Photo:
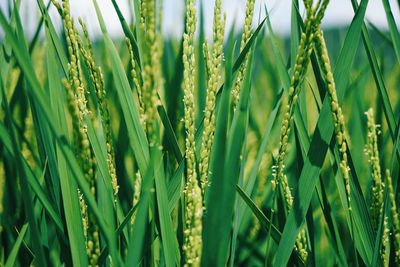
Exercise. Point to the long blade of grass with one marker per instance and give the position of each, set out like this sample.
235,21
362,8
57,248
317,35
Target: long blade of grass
11,260
137,245
168,238
127,31
169,132
394,33
53,37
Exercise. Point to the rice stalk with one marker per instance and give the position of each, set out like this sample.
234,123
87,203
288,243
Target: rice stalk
136,193
192,244
395,216
337,114
372,152
96,76
151,66
385,242
30,140
135,73
214,62
245,38
302,59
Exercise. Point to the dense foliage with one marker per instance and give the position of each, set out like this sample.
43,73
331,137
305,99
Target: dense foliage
243,150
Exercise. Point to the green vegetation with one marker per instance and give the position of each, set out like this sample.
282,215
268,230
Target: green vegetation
243,150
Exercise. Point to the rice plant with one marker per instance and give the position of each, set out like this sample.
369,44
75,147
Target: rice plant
242,149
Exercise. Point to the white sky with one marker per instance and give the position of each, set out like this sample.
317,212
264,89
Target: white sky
339,12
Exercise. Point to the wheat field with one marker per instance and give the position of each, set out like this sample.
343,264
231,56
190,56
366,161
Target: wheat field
243,149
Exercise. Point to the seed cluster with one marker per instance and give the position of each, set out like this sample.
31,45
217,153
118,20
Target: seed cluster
192,245
371,149
395,215
29,137
135,73
136,193
385,242
151,67
96,76
303,54
245,38
214,62
336,110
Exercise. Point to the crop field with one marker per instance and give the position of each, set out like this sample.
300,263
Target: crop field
243,148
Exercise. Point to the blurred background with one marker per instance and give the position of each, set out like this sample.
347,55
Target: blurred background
339,13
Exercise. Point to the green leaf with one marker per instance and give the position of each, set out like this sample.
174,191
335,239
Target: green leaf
139,229
11,260
168,238
127,31
394,33
169,132
53,37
